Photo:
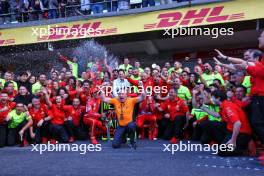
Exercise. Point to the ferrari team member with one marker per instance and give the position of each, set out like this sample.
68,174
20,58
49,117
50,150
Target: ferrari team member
5,107
74,115
147,81
146,114
182,91
8,77
198,117
72,64
41,117
237,130
124,107
57,129
175,118
19,122
92,116
255,68
42,81
85,92
9,89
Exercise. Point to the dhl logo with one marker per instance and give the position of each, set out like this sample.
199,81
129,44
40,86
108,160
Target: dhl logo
75,31
4,42
193,17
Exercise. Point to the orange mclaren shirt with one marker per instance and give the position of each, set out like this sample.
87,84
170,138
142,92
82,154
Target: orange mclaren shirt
124,111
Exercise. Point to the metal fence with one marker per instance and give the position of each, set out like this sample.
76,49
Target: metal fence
81,10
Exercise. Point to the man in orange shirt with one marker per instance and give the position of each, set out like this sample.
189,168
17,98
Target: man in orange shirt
124,107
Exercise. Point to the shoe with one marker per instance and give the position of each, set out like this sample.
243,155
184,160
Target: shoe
252,149
44,140
133,146
150,136
53,141
71,140
173,140
212,143
142,134
186,136
261,157
24,143
155,133
94,141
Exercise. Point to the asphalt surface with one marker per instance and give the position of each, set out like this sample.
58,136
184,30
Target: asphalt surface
148,159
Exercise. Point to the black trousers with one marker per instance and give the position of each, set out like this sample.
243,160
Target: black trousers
59,133
42,132
173,128
197,132
205,128
75,131
241,145
214,131
257,116
3,132
218,132
69,127
13,137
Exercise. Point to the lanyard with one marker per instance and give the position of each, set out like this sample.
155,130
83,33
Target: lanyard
122,111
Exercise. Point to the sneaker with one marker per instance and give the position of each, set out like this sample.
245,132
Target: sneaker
150,136
44,140
262,163
94,141
173,140
252,149
155,133
133,146
261,157
142,134
53,141
24,143
71,140
141,137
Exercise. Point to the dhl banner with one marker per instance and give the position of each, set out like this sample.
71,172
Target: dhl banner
226,12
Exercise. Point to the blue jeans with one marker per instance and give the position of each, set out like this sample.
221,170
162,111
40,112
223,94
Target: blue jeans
97,8
145,3
121,130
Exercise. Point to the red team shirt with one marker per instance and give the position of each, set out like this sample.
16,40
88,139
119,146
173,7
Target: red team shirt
41,113
75,113
83,96
10,106
93,105
231,113
147,106
12,95
257,78
58,114
176,107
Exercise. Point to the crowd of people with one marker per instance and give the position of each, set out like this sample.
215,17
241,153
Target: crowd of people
30,10
223,104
